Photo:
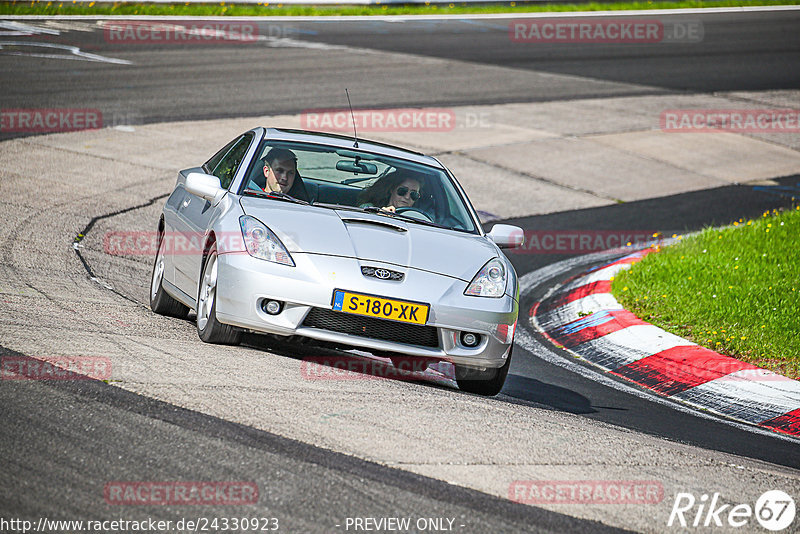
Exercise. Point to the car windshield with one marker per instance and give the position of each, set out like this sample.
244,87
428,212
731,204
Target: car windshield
337,178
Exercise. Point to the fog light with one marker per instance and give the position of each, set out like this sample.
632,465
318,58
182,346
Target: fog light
469,339
272,307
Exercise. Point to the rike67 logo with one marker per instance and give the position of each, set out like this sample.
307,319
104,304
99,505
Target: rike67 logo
774,510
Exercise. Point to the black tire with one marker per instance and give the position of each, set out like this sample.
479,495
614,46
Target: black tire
160,301
208,328
488,382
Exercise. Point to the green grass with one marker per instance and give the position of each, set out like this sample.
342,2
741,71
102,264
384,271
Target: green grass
735,290
277,9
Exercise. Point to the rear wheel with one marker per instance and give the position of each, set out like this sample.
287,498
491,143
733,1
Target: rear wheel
486,382
208,328
161,302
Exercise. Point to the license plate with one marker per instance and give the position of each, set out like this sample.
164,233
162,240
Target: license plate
383,308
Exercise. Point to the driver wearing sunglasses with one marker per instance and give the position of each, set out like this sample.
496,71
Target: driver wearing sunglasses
404,195
392,191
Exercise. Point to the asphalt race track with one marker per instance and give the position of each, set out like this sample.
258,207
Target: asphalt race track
321,452
756,51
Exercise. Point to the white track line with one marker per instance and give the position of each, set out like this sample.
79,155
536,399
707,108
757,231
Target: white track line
76,53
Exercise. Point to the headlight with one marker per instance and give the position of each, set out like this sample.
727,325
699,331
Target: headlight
490,281
262,243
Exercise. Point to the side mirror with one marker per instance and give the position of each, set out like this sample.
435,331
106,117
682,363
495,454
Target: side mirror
507,236
205,186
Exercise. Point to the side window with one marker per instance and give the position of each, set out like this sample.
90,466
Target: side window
226,167
211,164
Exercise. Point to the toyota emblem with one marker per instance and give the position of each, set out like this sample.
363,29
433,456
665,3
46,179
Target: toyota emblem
383,274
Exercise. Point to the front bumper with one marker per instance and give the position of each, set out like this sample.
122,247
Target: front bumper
244,282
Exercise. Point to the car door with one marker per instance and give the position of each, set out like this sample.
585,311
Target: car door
194,214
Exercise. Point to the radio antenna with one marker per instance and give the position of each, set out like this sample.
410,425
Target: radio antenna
355,134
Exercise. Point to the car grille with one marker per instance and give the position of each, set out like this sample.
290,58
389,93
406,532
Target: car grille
371,327
382,274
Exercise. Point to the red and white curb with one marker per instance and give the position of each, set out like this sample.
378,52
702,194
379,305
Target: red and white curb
584,318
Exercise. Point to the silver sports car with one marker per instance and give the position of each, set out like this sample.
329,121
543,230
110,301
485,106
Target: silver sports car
351,242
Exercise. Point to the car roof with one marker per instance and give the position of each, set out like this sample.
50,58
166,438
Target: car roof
342,141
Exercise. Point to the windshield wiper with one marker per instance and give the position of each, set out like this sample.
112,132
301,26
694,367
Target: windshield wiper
340,206
381,211
277,195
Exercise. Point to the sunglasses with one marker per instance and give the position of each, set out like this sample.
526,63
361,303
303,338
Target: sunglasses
403,191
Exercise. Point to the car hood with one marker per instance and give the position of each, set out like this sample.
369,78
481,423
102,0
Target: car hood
370,237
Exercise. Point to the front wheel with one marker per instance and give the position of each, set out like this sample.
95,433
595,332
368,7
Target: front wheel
488,382
208,328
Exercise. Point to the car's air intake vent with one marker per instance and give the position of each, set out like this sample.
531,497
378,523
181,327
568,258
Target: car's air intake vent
370,327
